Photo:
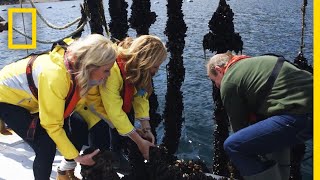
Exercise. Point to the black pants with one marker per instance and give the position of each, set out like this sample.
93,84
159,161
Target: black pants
100,135
18,119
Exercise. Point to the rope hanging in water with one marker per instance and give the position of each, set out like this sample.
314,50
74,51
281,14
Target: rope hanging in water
300,60
103,18
141,16
119,22
303,9
97,20
222,36
173,114
84,16
298,151
220,39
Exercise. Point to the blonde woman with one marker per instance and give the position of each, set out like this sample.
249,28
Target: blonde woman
130,85
51,84
107,106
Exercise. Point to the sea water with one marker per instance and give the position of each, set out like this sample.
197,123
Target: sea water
266,26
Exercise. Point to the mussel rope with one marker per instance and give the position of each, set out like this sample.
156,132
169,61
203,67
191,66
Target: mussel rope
303,9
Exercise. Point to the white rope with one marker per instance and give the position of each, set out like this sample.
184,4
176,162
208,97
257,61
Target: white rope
51,25
52,41
24,27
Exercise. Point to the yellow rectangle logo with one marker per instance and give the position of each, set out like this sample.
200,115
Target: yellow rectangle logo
33,44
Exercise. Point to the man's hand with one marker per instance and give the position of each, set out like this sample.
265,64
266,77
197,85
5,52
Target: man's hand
144,147
87,159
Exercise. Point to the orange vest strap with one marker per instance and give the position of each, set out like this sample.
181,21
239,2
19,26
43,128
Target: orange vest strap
128,88
71,102
234,60
73,95
31,84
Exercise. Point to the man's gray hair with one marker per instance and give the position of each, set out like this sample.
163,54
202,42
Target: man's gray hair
218,60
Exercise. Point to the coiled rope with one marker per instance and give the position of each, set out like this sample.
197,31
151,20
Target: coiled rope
53,26
53,41
50,24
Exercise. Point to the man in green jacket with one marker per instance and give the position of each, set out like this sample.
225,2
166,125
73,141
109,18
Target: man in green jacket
275,91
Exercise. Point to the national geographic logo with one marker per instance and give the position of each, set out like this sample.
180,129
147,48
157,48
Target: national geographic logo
33,44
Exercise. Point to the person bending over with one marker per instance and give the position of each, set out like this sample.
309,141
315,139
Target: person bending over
39,92
269,102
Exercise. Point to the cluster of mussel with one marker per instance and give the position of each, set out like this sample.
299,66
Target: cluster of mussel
161,166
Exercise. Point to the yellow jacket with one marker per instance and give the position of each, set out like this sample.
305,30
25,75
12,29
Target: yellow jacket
91,108
53,82
106,103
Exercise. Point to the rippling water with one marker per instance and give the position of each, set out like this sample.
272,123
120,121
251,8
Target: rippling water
265,26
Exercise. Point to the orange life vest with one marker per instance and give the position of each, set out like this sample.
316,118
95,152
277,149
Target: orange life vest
128,88
73,96
233,60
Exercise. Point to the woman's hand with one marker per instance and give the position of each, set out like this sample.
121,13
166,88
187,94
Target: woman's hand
87,159
146,131
147,134
143,145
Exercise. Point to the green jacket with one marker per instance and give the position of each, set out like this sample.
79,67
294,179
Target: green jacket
292,92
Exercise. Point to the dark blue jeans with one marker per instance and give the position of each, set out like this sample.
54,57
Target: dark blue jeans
100,135
245,146
18,119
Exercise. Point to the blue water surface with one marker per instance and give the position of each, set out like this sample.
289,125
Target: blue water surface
266,26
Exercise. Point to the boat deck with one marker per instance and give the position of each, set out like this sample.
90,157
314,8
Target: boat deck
16,159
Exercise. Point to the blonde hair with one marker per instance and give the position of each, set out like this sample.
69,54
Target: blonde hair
220,60
126,43
144,52
91,53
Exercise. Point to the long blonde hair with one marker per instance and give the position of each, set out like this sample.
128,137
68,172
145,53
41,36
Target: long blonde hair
144,52
91,53
125,43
